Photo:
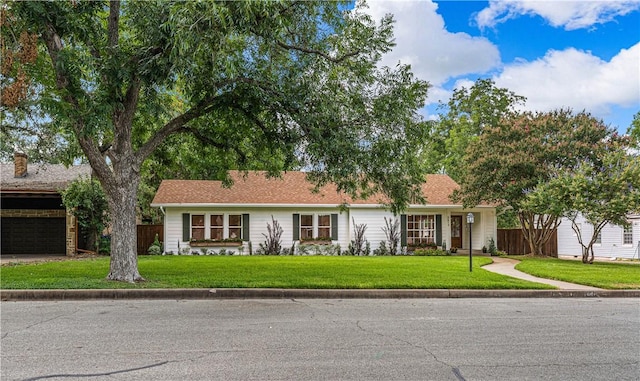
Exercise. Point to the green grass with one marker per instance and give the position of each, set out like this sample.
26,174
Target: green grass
599,274
268,272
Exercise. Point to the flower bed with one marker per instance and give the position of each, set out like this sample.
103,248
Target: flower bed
315,242
212,243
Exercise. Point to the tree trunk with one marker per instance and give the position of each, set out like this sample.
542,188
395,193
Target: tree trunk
587,254
122,204
537,230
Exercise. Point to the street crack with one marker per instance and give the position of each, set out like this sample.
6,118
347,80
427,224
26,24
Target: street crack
68,375
455,370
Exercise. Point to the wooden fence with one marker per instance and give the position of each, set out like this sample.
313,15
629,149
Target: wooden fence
146,236
512,241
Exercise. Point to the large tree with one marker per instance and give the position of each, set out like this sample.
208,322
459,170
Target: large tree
601,191
296,80
522,151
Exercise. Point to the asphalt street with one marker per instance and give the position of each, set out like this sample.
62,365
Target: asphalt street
322,339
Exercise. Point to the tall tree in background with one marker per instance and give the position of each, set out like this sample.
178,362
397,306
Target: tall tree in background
634,131
467,114
523,151
287,80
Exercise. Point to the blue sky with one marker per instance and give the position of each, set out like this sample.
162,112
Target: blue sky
584,55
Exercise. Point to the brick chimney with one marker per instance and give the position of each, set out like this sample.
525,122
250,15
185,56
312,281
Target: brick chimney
20,162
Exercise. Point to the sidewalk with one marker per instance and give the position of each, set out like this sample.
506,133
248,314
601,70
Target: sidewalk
506,266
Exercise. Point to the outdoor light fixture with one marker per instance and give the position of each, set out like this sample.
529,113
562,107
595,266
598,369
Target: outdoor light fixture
470,222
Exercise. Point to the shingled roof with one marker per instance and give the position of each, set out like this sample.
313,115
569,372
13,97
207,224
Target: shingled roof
292,189
41,178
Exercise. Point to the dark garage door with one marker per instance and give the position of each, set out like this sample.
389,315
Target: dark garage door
33,235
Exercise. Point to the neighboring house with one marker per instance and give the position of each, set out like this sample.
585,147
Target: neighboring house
205,210
613,242
32,217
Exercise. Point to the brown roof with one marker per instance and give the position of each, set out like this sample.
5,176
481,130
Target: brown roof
41,177
291,189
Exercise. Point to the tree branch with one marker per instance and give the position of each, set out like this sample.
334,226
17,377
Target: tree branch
89,146
123,118
318,52
202,108
113,25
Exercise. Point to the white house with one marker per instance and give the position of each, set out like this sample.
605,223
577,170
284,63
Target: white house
205,213
613,241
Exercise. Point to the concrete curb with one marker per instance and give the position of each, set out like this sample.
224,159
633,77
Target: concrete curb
281,293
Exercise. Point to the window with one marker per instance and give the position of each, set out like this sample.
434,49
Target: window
235,226
306,226
421,229
217,226
197,226
627,235
324,226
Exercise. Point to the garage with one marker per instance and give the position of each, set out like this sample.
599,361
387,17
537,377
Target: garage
33,235
33,219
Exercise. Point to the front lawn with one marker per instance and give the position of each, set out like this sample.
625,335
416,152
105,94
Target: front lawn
268,272
599,274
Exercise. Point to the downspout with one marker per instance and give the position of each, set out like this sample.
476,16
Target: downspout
164,230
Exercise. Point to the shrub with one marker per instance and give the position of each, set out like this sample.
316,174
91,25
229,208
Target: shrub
272,245
357,245
156,247
392,231
492,247
367,249
105,245
430,253
86,200
382,249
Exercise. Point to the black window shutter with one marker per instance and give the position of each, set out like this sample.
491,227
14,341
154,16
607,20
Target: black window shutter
245,227
403,230
334,227
186,227
296,227
439,229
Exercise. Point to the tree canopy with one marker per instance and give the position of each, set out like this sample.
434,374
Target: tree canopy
270,81
462,119
522,151
604,190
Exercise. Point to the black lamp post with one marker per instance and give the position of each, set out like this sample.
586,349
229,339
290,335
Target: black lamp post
470,222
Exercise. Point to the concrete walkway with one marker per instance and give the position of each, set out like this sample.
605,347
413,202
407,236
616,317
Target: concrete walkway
506,266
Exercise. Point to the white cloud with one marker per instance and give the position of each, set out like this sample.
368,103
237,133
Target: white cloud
435,55
576,79
569,14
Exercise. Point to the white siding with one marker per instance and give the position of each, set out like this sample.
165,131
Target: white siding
484,226
611,246
374,219
258,220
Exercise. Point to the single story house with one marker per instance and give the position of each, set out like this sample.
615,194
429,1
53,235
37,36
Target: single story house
32,217
613,241
200,213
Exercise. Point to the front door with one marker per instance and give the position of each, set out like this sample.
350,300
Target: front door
456,231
